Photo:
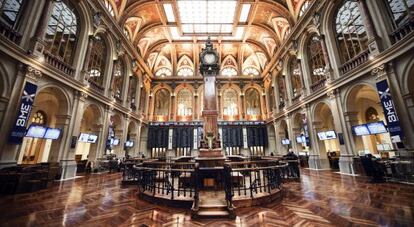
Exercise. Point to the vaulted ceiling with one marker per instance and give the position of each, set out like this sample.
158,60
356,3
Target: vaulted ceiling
165,31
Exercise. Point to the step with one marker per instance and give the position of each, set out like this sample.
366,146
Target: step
212,208
213,214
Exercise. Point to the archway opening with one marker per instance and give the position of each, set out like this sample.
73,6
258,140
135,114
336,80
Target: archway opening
89,137
364,107
49,111
328,143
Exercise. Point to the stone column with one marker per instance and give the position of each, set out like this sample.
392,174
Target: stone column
346,152
277,95
57,147
124,135
94,149
242,108
9,152
328,69
38,45
289,90
85,74
387,72
172,110
351,119
305,83
245,150
373,38
292,136
103,136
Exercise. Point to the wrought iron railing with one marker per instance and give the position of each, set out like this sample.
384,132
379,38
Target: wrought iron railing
318,85
168,180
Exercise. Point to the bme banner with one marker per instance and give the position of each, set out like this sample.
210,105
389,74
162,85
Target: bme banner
24,110
391,116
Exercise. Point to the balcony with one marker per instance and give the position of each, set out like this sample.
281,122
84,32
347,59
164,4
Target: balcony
401,32
318,85
95,86
355,62
10,33
58,64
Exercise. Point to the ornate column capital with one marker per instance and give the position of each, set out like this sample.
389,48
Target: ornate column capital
379,72
33,73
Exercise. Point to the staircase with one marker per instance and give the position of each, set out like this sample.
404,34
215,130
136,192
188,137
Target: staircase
212,204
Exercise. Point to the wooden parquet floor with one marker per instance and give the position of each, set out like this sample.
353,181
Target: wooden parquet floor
321,198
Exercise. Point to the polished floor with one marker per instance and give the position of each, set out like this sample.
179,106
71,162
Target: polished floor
321,198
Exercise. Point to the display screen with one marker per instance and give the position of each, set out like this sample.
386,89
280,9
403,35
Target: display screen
84,137
377,127
330,135
129,143
115,141
285,141
299,139
52,133
322,136
360,130
36,131
92,138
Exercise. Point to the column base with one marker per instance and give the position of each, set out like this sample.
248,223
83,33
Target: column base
315,162
69,168
194,153
245,152
346,164
170,154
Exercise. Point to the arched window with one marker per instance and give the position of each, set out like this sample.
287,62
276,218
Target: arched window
295,77
118,81
96,66
230,103
163,72
250,71
304,8
350,31
10,12
253,108
184,103
162,104
229,71
62,31
316,59
109,7
401,10
185,71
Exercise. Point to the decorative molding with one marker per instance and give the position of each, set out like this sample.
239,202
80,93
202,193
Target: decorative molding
33,73
379,72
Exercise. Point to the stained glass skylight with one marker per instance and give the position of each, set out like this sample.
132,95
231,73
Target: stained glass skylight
207,16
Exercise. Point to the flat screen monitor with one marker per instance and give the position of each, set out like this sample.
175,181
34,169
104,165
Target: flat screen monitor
330,135
377,127
115,141
92,138
36,131
322,136
285,141
84,137
360,130
52,133
299,139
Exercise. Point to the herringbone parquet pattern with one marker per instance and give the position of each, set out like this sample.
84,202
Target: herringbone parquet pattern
321,198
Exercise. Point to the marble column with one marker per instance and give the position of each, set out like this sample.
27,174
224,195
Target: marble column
85,74
318,158
289,90
57,148
346,152
277,95
9,153
373,38
38,45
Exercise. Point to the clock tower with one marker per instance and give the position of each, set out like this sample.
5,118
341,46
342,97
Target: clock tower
209,68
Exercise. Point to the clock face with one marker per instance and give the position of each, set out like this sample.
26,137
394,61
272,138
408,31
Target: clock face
209,58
